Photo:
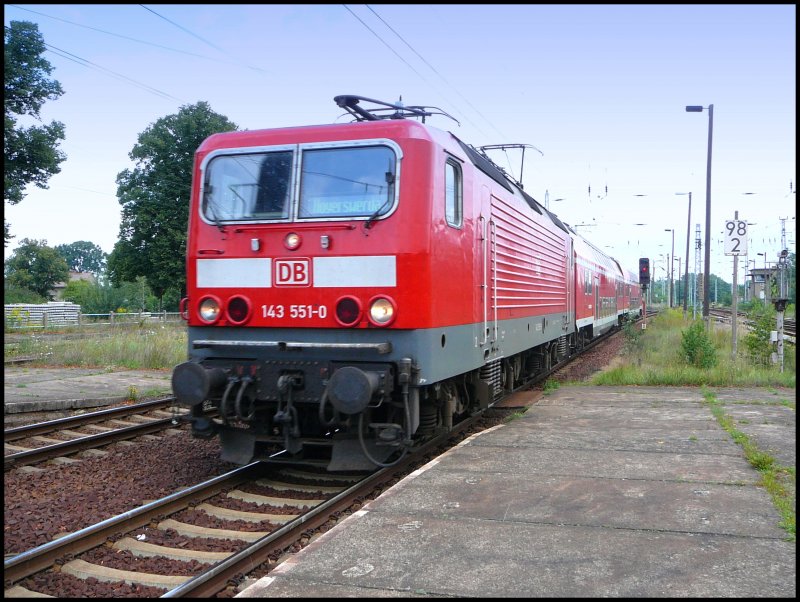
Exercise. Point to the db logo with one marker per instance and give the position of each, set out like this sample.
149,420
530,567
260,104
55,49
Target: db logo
292,272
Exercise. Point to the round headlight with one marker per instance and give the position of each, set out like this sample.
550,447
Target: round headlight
292,241
209,310
381,311
238,310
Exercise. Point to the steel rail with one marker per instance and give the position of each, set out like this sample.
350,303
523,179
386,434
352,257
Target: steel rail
40,558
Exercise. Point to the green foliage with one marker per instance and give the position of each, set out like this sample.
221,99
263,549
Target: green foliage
83,256
550,385
632,331
129,297
696,347
13,293
30,154
35,266
155,198
762,321
15,318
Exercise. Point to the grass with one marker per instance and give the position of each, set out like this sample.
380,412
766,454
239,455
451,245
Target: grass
657,359
149,347
779,481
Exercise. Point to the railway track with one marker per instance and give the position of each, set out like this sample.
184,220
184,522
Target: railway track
35,443
724,315
292,503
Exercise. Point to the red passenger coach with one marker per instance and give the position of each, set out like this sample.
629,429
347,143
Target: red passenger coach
633,296
354,289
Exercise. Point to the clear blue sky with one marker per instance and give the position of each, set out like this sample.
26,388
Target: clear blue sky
600,90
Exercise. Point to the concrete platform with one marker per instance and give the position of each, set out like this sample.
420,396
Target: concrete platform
593,492
56,392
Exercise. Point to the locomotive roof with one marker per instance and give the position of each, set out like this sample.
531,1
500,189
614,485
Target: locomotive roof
386,116
380,110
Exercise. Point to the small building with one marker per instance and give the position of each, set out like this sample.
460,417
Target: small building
758,284
57,291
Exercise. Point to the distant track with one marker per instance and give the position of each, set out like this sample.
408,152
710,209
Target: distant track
25,442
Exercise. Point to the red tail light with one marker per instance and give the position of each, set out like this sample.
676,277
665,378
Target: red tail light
238,310
348,311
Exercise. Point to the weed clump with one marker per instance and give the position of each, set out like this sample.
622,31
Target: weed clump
697,349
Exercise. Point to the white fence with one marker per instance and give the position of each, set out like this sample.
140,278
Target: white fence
63,313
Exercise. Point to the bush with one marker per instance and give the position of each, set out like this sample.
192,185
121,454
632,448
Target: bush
697,348
762,322
19,294
632,331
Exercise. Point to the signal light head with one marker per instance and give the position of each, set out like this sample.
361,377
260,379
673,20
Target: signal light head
644,270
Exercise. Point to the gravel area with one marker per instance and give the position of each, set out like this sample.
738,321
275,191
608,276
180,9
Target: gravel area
598,358
38,506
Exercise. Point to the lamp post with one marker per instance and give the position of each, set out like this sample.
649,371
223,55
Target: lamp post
547,200
707,268
764,290
671,264
686,267
751,279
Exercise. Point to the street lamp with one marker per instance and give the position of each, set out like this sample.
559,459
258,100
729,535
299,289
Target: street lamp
686,267
671,265
751,281
707,269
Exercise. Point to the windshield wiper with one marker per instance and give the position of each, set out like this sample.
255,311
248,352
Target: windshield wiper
389,197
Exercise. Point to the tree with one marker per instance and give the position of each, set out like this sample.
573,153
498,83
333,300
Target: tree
83,256
102,298
31,154
18,294
35,266
155,198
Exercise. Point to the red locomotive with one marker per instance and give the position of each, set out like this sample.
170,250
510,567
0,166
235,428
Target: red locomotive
355,288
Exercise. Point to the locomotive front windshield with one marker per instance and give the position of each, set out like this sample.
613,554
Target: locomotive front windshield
334,183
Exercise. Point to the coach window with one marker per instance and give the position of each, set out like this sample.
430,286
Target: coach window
453,194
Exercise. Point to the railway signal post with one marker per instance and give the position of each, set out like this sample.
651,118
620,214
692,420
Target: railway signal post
780,301
644,281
